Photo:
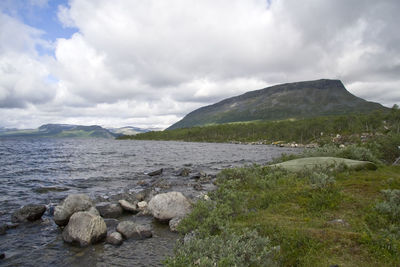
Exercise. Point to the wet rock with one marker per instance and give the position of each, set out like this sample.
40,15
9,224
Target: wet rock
73,203
154,173
29,212
174,222
84,229
12,225
198,187
44,190
131,207
184,172
3,229
130,229
142,205
169,205
114,238
109,210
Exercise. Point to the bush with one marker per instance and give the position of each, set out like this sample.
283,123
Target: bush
390,207
320,180
227,249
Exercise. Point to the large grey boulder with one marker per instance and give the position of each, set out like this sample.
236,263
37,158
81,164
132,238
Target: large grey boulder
130,229
169,205
84,228
29,212
314,162
109,210
73,203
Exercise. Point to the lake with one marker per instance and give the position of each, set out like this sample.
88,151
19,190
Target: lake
45,171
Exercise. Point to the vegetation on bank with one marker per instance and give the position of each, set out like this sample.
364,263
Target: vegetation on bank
263,216
351,128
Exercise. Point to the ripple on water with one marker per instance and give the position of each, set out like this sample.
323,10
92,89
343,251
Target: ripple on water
47,170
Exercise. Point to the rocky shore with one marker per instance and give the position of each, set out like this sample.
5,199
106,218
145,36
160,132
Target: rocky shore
167,196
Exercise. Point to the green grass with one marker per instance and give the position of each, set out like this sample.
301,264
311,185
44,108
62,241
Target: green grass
295,211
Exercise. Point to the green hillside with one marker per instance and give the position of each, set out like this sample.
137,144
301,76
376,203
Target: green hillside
291,100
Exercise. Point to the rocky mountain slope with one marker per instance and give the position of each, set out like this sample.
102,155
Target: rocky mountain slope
284,101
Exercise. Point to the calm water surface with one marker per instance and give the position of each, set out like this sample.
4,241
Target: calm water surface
44,171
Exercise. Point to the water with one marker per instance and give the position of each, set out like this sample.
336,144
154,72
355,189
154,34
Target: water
44,171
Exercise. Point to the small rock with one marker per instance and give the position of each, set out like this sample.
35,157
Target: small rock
12,225
114,238
73,203
84,229
29,212
184,172
173,224
130,229
3,229
142,205
109,210
198,187
154,173
169,205
131,207
2,255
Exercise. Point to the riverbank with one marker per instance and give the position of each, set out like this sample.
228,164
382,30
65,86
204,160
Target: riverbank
318,217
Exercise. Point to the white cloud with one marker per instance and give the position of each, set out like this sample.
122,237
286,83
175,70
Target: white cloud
150,62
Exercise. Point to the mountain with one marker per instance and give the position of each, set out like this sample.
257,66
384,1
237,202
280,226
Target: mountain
128,130
61,130
284,101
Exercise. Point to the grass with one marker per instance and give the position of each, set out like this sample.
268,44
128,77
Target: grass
318,218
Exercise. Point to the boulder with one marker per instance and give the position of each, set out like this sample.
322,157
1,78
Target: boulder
114,238
131,207
109,210
154,173
130,229
169,205
29,212
73,203
313,162
174,222
84,228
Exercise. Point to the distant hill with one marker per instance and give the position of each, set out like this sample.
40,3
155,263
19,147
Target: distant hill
284,101
60,130
127,130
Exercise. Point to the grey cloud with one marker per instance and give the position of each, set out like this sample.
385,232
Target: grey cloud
154,61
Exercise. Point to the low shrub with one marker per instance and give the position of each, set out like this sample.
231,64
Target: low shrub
227,249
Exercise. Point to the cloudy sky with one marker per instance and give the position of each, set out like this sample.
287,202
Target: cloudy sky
148,63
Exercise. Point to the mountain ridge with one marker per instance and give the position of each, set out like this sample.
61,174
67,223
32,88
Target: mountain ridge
60,131
283,101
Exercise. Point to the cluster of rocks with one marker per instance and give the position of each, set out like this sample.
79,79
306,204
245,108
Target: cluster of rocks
84,223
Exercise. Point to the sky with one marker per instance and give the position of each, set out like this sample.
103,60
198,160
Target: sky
149,63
